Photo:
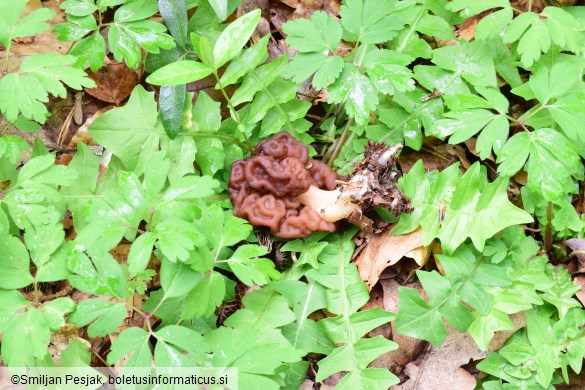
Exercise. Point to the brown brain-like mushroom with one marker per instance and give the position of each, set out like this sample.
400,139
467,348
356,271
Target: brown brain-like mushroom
280,188
265,186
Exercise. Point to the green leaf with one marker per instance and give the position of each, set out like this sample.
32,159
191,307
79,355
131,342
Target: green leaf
177,279
177,345
547,173
388,72
12,303
356,91
76,354
174,12
38,76
249,268
140,252
257,355
205,298
561,293
473,61
79,7
369,21
536,33
180,72
176,238
472,207
324,69
78,195
319,35
470,8
189,187
101,275
129,130
234,37
14,264
45,244
493,24
131,340
26,339
90,51
220,7
258,79
172,103
262,309
104,316
548,83
206,114
30,25
54,311
246,62
315,40
77,28
126,38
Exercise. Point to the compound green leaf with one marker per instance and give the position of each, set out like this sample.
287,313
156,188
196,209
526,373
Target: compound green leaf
251,269
104,316
321,34
100,275
131,340
356,91
472,207
369,21
205,298
473,61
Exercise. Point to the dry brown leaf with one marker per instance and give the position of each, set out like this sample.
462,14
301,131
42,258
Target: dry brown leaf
500,338
115,81
441,368
384,250
305,8
466,30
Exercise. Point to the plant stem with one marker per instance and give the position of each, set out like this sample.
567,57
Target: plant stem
338,145
233,111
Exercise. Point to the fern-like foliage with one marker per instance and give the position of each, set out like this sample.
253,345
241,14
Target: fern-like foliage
345,294
452,207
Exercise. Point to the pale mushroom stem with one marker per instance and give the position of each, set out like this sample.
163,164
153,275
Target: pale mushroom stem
331,205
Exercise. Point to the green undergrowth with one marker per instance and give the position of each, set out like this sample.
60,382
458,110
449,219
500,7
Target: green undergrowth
512,96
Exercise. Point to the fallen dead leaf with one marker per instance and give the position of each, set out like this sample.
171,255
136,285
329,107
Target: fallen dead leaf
440,368
384,250
500,338
115,81
466,30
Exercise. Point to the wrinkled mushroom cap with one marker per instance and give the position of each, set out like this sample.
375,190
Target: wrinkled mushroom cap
263,188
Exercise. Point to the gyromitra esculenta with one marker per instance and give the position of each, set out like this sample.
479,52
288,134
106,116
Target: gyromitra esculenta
281,188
